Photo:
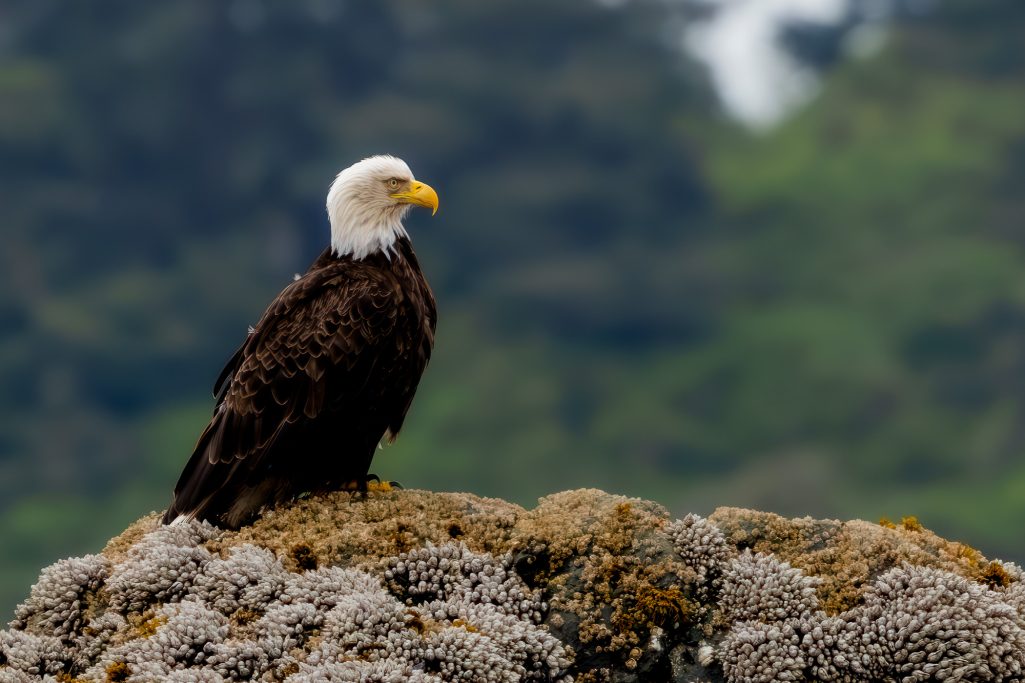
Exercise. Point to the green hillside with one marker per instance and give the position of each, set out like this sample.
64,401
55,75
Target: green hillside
635,293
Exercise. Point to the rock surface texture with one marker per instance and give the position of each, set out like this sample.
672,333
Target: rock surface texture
586,587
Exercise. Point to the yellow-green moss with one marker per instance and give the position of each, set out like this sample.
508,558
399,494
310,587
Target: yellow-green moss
244,617
118,672
662,607
63,677
969,554
145,626
414,622
465,625
911,523
994,575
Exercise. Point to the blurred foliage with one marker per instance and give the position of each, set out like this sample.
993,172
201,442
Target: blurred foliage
635,294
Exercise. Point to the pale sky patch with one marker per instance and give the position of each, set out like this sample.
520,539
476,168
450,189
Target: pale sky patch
757,80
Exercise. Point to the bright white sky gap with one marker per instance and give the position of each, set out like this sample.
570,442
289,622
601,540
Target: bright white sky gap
757,81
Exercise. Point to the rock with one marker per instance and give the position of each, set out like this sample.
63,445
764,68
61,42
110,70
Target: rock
587,586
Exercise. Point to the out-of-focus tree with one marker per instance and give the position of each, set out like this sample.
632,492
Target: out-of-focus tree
828,318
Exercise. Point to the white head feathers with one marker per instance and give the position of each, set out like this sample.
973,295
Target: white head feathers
365,214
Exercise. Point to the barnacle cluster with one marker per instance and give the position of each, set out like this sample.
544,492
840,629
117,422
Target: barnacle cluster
702,547
767,606
924,624
914,623
59,610
173,610
451,574
912,606
425,587
160,567
1014,590
758,587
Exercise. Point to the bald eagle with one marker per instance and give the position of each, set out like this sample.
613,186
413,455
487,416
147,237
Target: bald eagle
330,369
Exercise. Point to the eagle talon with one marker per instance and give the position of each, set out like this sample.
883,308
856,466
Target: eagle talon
375,483
369,483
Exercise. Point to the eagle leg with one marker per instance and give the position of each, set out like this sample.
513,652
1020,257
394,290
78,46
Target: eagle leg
375,483
369,483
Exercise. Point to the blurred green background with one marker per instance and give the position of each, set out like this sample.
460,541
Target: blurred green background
767,254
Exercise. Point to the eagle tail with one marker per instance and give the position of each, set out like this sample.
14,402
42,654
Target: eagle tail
216,484
201,479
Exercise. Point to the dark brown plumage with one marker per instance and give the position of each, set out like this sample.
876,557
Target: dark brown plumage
328,372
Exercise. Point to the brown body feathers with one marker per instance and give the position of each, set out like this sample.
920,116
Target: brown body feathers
330,370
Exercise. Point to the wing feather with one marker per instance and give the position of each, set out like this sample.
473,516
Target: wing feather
314,348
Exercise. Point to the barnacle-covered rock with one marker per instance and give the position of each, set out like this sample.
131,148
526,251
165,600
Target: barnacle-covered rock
180,604
238,660
157,573
459,654
588,586
758,587
617,589
59,598
183,636
371,625
184,534
451,574
1012,589
285,627
530,651
845,555
190,676
248,579
915,623
919,620
387,671
326,586
757,652
96,638
32,653
702,546
8,675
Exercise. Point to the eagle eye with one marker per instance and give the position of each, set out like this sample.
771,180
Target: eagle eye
393,183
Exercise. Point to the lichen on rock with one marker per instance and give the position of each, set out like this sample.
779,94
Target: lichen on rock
588,586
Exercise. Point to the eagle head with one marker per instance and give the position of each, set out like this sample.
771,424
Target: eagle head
367,202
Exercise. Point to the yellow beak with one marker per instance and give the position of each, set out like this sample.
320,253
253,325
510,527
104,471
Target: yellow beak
420,194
